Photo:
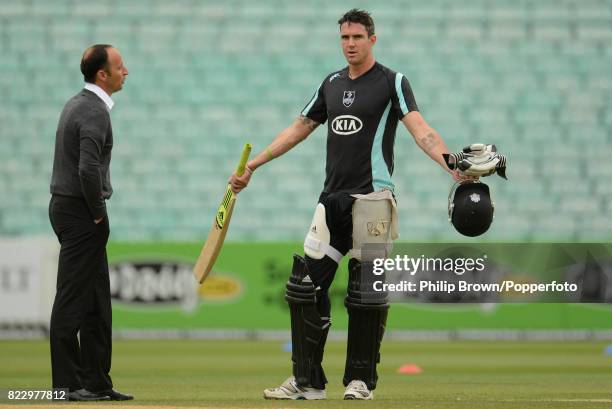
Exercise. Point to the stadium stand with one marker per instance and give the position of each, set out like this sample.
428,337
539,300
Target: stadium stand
531,76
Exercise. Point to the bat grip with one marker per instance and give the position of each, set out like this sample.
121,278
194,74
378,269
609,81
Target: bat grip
243,159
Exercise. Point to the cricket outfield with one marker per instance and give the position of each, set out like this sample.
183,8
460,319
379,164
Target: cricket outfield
232,374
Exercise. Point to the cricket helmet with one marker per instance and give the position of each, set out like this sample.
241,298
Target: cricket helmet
470,208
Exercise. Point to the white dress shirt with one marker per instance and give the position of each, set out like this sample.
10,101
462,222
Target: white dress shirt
100,93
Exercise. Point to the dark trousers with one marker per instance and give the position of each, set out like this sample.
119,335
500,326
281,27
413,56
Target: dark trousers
82,302
339,219
366,325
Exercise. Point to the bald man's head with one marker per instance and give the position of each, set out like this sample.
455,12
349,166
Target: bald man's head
102,65
95,58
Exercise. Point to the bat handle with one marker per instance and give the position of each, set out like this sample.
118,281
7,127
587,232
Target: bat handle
243,159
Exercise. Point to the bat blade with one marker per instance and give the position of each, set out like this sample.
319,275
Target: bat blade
216,236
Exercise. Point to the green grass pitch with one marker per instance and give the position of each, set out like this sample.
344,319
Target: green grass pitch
455,375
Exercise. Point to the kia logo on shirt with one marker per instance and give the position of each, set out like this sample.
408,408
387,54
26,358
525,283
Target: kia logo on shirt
346,125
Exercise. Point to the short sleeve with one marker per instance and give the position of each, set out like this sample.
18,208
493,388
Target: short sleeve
316,108
403,101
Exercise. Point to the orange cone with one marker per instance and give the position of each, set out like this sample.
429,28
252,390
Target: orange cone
409,369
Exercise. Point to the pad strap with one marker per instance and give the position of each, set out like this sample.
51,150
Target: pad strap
318,245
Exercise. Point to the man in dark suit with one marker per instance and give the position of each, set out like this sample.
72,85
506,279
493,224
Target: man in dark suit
81,322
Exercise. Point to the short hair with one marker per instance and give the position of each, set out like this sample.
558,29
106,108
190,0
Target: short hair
358,16
94,59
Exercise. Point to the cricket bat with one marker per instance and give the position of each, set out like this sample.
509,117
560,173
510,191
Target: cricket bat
220,225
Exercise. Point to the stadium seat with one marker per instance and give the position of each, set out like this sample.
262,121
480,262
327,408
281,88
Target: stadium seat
206,77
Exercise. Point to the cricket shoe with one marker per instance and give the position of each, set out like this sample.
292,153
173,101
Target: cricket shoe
290,390
358,390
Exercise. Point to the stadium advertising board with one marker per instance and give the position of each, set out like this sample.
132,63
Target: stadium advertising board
153,288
